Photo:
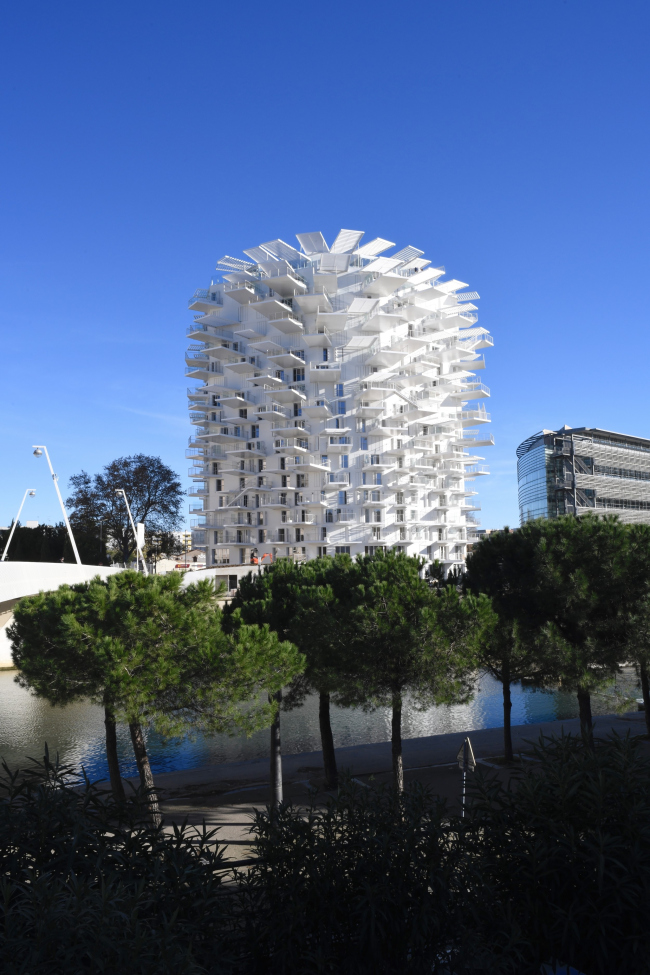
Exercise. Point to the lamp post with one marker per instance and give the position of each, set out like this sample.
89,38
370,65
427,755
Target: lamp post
38,451
31,492
135,534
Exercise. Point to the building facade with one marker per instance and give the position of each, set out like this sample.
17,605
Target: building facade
571,471
337,406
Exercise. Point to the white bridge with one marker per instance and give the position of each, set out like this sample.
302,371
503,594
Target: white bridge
18,579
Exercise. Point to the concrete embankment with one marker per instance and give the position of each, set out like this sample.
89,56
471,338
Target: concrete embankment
225,797
375,758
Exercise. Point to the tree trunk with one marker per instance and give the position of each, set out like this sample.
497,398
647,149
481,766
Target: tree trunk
507,712
144,768
276,756
117,786
645,690
396,743
327,742
586,723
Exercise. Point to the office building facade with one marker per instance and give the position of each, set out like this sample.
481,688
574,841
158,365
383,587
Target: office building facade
572,471
337,406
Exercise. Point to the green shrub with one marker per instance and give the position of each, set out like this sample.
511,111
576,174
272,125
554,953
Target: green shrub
89,885
552,869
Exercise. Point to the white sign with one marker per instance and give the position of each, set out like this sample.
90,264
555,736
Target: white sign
139,534
465,757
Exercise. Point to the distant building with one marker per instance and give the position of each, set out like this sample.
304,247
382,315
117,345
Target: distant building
337,408
574,470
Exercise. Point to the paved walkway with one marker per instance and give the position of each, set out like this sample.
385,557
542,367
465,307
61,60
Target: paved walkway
226,796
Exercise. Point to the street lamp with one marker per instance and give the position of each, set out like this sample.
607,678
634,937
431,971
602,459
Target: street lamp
135,534
31,492
38,452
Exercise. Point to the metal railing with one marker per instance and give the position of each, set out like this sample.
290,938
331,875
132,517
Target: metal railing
211,296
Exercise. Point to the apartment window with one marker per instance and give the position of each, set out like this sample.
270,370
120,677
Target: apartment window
242,483
414,515
232,582
224,431
216,401
326,355
402,534
375,495
218,538
218,485
340,407
240,537
298,375
301,480
324,460
376,533
215,468
243,414
255,431
283,516
399,497
343,498
283,463
338,389
323,534
329,516
260,465
322,550
300,353
297,409
261,535
260,482
399,515
376,514
244,500
283,499
281,537
213,417
299,535
342,549
237,431
344,461
361,426
363,443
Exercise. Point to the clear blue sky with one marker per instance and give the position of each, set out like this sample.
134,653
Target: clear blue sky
507,139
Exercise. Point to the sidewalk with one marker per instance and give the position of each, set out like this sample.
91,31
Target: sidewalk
226,796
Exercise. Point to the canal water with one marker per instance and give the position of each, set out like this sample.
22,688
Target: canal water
76,732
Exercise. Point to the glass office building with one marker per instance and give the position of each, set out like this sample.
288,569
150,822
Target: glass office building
571,471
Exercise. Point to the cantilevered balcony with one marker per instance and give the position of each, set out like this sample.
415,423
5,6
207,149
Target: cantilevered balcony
243,291
292,445
470,390
285,282
205,300
470,417
325,372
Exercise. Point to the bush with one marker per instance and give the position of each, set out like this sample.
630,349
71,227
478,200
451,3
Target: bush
554,868
89,885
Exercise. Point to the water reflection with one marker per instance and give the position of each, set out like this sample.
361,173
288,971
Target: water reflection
77,731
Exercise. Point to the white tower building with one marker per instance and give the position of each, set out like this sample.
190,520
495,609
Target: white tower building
336,404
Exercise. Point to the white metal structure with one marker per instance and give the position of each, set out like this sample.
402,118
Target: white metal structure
31,492
138,533
336,407
39,450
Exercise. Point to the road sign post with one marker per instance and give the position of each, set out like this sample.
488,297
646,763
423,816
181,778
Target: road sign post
467,762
